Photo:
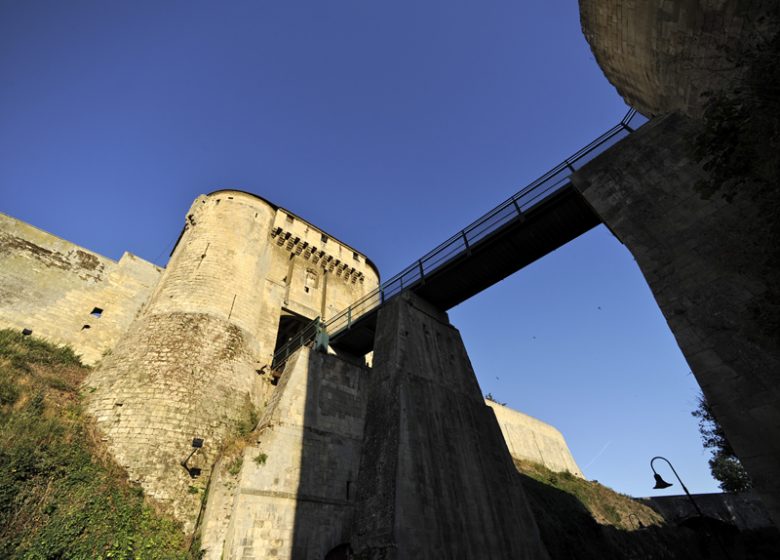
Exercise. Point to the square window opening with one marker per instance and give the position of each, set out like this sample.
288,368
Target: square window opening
96,312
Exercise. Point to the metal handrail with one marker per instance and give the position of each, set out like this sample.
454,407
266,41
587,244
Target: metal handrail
463,241
306,335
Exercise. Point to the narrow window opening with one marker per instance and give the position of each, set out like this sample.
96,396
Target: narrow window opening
96,312
230,198
306,289
324,238
26,332
289,219
355,256
85,327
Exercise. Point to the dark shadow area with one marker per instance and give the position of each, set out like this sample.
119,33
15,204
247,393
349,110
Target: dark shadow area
569,531
332,429
290,324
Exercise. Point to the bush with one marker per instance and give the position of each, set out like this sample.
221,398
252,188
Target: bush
57,500
261,458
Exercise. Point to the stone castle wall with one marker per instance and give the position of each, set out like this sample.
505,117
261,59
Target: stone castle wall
188,348
743,510
190,364
295,495
533,440
51,287
661,56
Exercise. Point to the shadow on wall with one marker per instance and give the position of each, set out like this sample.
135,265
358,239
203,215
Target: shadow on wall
332,432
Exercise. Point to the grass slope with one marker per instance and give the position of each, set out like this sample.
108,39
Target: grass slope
606,506
60,497
583,520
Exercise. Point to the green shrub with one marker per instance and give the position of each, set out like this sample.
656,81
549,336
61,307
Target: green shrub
261,459
234,467
247,420
57,500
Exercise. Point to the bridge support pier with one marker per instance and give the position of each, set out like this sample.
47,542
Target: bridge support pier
436,479
712,267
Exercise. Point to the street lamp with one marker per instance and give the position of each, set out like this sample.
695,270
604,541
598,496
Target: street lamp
660,483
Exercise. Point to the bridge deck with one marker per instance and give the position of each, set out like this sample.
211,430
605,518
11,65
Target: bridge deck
537,220
550,224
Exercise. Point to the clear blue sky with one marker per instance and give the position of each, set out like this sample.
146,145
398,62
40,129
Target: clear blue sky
389,124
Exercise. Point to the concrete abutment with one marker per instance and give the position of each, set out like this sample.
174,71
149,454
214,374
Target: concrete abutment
436,478
709,265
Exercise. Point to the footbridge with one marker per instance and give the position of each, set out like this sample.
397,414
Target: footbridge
537,220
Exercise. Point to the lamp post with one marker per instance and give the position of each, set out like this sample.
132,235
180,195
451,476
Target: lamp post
660,483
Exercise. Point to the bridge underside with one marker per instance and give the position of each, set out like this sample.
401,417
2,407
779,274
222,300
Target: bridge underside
558,219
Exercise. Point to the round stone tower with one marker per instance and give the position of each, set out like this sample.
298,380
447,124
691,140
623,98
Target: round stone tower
188,369
662,56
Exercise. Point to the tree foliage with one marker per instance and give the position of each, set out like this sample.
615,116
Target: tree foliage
491,398
724,464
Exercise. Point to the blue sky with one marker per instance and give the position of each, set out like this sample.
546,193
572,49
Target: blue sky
391,125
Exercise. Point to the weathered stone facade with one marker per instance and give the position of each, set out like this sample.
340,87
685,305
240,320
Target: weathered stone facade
295,494
189,365
662,55
51,287
533,440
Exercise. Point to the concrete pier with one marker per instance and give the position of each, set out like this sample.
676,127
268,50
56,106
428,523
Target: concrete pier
436,479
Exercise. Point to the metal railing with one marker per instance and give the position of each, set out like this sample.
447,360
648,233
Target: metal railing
511,209
310,333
